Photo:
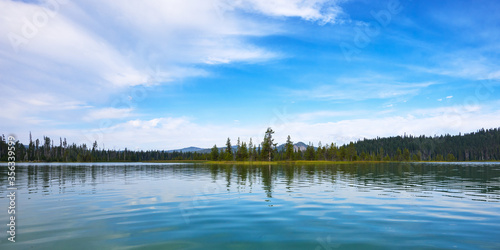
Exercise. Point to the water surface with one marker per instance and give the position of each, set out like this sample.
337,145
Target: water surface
188,206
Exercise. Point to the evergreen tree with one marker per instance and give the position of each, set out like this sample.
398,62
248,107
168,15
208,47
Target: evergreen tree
439,157
214,153
254,153
268,145
450,157
229,151
332,152
310,152
406,154
289,148
342,153
242,153
415,158
319,152
381,154
31,150
399,155
351,152
251,151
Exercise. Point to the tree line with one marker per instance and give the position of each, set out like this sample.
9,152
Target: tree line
482,145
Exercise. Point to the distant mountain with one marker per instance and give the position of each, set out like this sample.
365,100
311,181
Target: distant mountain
199,150
300,146
297,146
186,150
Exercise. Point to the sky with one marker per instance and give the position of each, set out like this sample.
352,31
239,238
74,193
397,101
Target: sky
171,74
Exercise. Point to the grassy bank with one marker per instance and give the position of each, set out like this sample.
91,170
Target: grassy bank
177,161
301,162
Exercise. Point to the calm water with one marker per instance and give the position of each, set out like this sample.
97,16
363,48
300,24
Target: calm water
186,206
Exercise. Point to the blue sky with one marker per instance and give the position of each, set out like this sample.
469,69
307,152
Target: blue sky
178,73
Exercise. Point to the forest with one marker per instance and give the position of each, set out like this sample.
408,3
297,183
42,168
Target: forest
482,145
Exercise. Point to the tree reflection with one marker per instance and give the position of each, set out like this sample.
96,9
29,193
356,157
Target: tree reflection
481,179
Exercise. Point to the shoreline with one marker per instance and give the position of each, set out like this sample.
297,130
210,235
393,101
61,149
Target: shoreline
302,162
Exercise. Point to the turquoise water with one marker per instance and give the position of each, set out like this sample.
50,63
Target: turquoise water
187,206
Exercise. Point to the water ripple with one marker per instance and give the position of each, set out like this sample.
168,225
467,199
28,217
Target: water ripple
183,206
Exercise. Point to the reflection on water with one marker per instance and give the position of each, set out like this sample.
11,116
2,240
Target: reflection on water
240,206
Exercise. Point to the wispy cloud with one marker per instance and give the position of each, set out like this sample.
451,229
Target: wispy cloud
450,110
427,122
108,113
324,114
168,133
361,88
176,132
80,56
322,11
474,64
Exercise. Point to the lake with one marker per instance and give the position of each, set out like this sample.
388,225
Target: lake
197,206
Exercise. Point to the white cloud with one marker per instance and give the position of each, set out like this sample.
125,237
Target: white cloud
474,64
108,113
84,53
179,132
451,110
448,97
224,52
432,122
167,133
27,106
361,88
311,116
61,41
322,11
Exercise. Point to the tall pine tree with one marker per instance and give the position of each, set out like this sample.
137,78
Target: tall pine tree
229,151
268,145
289,148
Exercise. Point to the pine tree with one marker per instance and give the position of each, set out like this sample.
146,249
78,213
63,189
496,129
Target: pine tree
289,148
342,153
229,151
31,150
332,152
242,153
406,154
399,155
254,153
250,150
268,145
214,153
310,152
351,152
381,154
450,157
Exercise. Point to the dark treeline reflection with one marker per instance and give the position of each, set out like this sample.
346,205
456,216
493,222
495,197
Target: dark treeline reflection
483,179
